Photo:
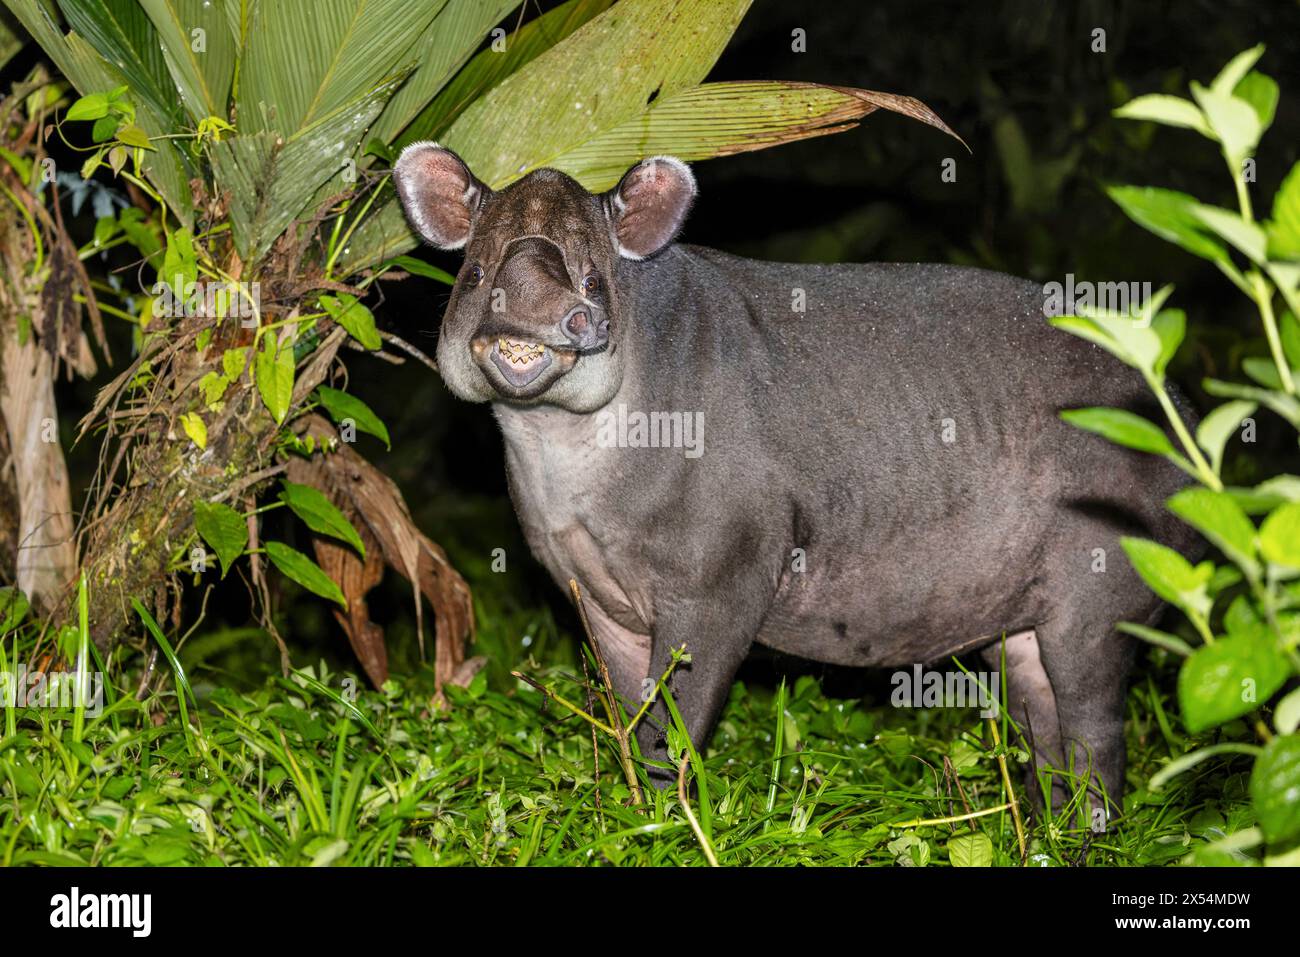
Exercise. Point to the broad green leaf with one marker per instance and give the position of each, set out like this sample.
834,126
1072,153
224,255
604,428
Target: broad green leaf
1171,216
1229,678
297,566
1286,716
1241,616
1216,516
1262,371
1135,338
11,41
320,514
13,608
1284,405
1169,325
355,317
105,128
456,31
1121,427
23,167
1267,495
224,529
491,66
1247,237
1224,577
213,386
199,50
564,98
1190,760
1169,110
714,118
1086,328
1153,636
1236,69
1216,428
1169,574
1279,536
233,362
1234,122
307,61
1284,227
1261,93
122,34
418,267
93,106
1289,333
275,372
180,264
1275,789
970,850
272,183
195,428
134,137
344,408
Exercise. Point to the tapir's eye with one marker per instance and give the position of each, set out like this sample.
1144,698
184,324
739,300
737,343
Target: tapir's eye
474,275
590,284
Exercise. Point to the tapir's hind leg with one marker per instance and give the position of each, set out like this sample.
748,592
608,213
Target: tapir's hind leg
1031,702
1068,704
1087,662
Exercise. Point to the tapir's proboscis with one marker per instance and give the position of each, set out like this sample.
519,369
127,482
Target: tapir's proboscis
862,465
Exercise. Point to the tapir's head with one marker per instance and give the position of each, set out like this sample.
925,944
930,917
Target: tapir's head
534,315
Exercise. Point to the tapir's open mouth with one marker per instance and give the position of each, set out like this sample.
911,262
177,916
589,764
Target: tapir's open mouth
520,361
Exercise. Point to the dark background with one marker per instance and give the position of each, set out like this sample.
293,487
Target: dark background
1018,80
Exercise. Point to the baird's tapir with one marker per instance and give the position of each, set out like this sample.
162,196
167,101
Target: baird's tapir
858,464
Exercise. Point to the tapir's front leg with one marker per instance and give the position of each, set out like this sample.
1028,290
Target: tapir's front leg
718,632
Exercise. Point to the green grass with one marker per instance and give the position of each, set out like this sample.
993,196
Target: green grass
295,772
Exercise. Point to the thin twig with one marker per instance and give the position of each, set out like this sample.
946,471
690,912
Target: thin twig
615,709
690,815
1011,793
955,818
409,349
595,745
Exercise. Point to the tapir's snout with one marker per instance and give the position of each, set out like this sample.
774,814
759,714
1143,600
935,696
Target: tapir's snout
535,298
536,319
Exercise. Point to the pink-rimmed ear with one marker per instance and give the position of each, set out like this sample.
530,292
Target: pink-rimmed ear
649,205
439,194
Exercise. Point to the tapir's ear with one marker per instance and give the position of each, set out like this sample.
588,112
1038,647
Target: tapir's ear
650,204
439,193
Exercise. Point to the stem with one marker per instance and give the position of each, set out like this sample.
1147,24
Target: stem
1011,792
347,236
31,229
1262,293
955,819
621,732
1203,469
595,722
1243,197
690,815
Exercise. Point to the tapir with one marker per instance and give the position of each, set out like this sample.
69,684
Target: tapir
861,465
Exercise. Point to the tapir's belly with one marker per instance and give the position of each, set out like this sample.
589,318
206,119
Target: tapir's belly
844,631
857,610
